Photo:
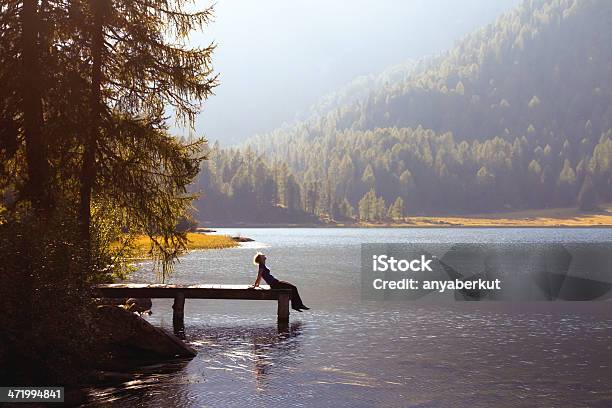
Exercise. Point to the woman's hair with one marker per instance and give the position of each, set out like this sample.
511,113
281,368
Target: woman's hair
257,258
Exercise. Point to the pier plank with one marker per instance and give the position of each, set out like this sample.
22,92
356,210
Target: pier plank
203,291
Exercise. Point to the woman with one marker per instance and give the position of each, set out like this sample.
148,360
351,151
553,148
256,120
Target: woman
264,272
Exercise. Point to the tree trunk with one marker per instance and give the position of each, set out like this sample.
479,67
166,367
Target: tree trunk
37,187
88,171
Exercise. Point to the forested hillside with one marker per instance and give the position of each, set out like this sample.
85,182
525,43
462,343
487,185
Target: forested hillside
517,116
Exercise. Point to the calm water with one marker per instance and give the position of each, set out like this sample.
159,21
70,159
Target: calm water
345,352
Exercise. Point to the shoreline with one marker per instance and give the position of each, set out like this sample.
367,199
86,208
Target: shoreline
543,218
409,226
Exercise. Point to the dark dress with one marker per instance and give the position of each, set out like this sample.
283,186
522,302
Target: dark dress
296,301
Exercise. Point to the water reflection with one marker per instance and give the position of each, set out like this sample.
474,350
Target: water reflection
137,386
225,355
256,350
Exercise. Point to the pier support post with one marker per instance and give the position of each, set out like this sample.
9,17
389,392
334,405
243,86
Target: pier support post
283,312
178,315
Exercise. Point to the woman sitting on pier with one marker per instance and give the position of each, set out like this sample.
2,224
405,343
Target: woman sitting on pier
264,272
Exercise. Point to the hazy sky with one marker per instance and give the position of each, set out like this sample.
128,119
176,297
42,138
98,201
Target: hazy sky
276,58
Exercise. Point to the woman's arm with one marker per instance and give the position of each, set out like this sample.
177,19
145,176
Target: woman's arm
256,284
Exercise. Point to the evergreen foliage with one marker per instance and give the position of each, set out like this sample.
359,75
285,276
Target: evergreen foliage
86,161
515,117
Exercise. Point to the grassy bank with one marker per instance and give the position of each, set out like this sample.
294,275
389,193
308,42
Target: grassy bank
545,218
142,244
551,217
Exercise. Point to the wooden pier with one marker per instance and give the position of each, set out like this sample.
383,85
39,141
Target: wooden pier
211,291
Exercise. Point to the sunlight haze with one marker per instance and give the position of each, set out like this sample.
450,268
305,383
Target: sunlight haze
276,58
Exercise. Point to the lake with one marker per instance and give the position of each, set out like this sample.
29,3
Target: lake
346,352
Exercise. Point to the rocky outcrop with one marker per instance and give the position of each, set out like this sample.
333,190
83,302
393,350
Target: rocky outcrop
242,239
127,335
204,230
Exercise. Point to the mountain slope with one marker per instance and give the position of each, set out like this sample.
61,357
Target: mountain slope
518,115
545,64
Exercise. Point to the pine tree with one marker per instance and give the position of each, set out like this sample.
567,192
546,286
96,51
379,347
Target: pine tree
347,209
364,207
368,177
381,209
368,207
137,70
37,187
396,210
567,184
89,84
587,198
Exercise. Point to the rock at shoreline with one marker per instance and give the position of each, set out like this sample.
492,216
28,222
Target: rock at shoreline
125,333
242,239
202,230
